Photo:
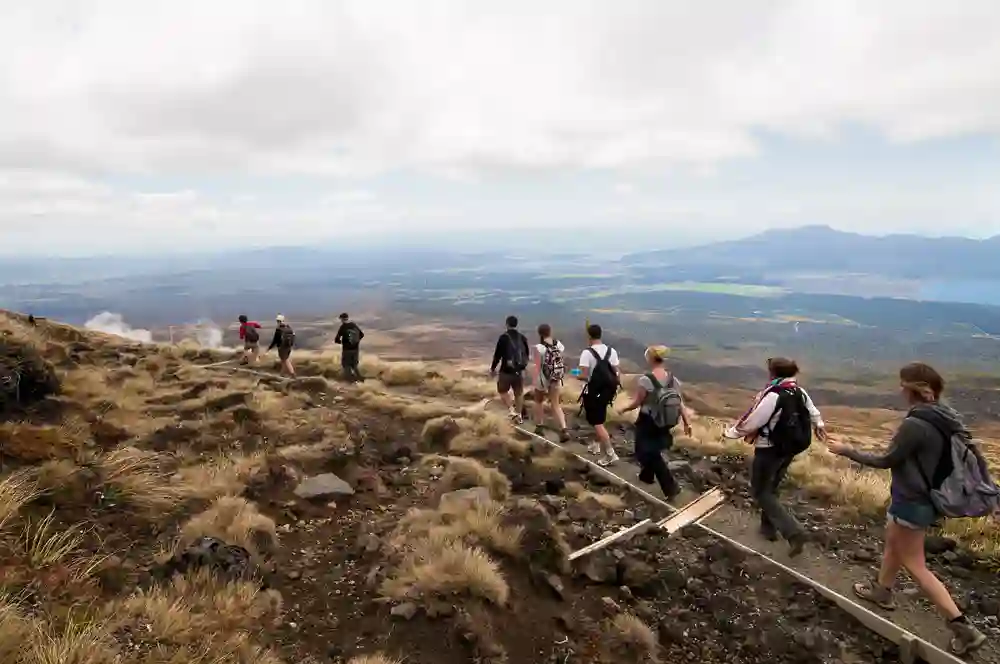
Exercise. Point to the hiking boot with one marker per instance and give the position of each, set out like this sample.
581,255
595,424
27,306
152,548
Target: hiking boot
769,533
676,491
594,448
646,476
609,459
539,430
796,543
564,436
876,594
964,637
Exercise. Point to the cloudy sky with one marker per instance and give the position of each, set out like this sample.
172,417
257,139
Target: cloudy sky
132,125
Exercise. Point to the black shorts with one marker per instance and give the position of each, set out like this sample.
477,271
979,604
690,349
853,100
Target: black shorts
284,353
595,409
510,381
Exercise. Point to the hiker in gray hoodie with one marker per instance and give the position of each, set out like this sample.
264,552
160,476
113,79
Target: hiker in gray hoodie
919,458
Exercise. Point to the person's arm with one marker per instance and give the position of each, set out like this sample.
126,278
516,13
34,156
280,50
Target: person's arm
339,338
243,331
276,339
905,443
817,418
685,422
758,417
537,365
361,333
585,358
642,388
497,355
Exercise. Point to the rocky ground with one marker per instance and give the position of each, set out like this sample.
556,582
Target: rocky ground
204,515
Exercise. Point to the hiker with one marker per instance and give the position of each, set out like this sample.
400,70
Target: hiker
921,457
599,369
349,337
284,339
548,370
661,408
511,356
780,425
251,340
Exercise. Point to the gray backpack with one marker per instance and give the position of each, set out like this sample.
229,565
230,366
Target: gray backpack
666,410
968,490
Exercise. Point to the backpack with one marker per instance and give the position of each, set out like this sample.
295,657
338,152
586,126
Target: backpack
516,361
968,490
250,334
792,433
553,368
351,337
603,381
287,337
666,410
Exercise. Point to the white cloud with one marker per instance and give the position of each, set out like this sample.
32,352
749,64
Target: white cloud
93,91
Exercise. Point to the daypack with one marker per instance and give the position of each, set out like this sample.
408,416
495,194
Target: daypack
250,334
666,411
553,368
968,490
351,337
603,381
792,433
287,337
516,361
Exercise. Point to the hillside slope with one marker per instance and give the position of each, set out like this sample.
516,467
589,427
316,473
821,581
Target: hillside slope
399,517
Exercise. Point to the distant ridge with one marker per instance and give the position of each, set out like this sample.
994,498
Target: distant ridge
823,249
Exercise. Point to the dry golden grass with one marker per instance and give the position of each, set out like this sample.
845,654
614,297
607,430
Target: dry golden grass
556,460
470,444
45,546
608,501
377,658
16,490
465,473
32,443
223,475
235,521
632,637
134,477
478,523
15,629
80,641
436,568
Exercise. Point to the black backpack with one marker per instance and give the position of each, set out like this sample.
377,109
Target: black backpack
351,337
603,382
287,337
250,334
792,433
517,361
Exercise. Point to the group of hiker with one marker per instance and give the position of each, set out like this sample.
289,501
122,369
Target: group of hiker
348,337
937,470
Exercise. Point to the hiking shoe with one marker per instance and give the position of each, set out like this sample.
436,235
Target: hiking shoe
646,476
676,491
564,436
539,430
796,543
964,637
594,448
769,533
876,594
608,460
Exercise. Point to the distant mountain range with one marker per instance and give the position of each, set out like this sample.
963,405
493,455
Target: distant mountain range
821,249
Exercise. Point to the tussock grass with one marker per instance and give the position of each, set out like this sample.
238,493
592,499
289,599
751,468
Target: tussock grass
494,445
80,641
223,475
632,637
33,443
16,490
479,523
433,568
465,473
235,521
377,658
15,629
134,478
580,494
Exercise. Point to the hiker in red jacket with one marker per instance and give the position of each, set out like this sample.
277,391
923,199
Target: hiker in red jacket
251,340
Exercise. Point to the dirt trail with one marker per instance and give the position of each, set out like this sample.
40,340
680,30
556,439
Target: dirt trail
830,564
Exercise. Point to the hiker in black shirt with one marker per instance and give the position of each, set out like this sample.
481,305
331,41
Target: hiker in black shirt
284,341
349,337
511,355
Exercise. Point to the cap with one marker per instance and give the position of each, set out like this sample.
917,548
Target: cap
279,318
344,316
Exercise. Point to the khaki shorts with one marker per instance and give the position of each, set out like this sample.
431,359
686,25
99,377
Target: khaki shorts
250,345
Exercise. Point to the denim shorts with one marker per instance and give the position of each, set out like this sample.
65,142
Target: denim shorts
912,515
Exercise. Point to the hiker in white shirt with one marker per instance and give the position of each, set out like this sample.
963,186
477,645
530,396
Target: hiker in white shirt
599,368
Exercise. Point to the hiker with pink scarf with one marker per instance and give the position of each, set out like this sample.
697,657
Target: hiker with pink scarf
780,424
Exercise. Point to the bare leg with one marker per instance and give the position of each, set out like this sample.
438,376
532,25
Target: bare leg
555,396
604,438
911,554
891,562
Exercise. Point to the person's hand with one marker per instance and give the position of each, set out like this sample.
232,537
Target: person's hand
493,373
821,434
838,447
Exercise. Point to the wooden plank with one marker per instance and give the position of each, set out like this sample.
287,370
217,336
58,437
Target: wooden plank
620,536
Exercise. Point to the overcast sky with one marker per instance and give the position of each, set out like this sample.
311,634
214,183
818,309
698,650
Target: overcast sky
132,125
